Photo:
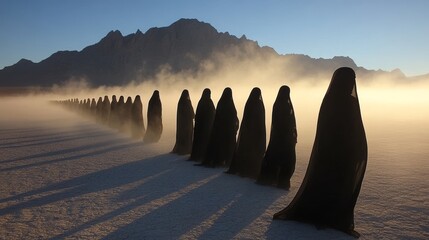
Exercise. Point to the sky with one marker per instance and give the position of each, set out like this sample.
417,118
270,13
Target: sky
376,34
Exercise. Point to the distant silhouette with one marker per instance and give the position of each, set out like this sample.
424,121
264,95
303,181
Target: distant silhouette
185,125
88,106
279,161
99,110
223,135
120,112
114,113
76,104
126,115
93,107
251,141
137,125
105,111
331,185
204,118
154,119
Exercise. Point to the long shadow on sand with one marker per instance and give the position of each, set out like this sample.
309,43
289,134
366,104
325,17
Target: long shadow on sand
38,133
220,209
180,201
64,151
75,157
54,139
166,197
93,182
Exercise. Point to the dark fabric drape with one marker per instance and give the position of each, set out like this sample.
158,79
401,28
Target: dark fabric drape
223,135
154,119
332,183
251,141
137,124
184,125
279,161
204,118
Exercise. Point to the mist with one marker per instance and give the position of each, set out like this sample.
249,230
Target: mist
395,116
388,106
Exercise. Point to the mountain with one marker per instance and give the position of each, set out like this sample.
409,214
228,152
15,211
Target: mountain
181,47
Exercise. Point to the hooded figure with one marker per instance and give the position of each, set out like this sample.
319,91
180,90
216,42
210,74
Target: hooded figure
120,112
331,185
154,119
126,115
75,104
113,119
223,135
99,110
184,125
105,112
251,142
88,106
204,118
137,125
93,107
279,161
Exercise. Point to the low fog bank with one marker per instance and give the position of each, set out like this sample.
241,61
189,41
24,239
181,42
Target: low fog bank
385,106
386,98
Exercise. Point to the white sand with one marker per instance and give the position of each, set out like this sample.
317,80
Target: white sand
62,176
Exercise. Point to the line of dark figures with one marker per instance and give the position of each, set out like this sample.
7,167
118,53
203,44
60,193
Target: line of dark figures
125,116
328,193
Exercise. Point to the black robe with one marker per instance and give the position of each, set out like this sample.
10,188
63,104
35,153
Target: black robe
114,113
99,110
332,183
120,109
137,125
126,115
184,125
105,111
76,104
251,141
88,106
223,135
279,161
204,118
154,119
93,107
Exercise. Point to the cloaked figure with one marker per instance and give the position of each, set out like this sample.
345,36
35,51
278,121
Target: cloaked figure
114,113
88,106
93,107
251,141
279,161
99,110
137,124
223,135
184,125
204,118
332,183
120,106
105,110
126,115
154,119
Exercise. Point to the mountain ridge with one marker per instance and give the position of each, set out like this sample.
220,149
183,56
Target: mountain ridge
182,46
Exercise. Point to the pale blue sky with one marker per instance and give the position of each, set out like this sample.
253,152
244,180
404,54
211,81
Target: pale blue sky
377,34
